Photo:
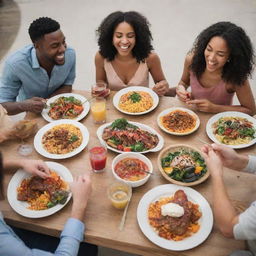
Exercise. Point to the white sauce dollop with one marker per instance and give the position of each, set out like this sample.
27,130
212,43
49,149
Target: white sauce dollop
172,209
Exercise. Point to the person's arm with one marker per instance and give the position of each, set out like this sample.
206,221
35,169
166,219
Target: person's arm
34,167
247,103
224,212
62,89
35,105
184,82
99,68
154,64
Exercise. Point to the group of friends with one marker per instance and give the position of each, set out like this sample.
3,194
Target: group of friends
215,69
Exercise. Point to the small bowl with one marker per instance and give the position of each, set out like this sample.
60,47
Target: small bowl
174,148
139,156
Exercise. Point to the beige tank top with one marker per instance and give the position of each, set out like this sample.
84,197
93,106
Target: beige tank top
140,78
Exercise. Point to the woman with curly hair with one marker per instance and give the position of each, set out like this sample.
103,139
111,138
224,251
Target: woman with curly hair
125,55
217,68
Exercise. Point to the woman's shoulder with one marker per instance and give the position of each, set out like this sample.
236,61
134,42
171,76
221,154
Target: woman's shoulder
152,58
99,59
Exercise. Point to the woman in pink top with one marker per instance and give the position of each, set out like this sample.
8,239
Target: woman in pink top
218,67
125,55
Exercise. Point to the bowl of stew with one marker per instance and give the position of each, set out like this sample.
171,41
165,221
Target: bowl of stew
132,168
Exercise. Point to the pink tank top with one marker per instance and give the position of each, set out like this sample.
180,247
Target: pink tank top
140,78
217,94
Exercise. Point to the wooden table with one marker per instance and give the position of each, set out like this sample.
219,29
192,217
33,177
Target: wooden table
102,220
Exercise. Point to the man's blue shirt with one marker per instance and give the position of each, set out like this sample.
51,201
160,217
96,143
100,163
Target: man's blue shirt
70,238
23,78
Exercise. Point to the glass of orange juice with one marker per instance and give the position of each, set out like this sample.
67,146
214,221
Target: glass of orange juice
119,194
98,109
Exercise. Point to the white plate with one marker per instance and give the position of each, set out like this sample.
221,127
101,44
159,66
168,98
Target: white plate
167,111
21,207
216,117
38,139
86,106
158,147
118,95
206,221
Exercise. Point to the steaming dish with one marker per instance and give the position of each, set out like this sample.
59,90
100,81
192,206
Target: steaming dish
233,130
65,108
174,228
135,101
62,139
42,193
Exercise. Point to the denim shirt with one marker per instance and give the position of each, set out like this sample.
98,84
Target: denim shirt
23,78
70,238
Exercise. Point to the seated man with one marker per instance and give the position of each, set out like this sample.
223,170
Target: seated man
38,70
38,244
231,224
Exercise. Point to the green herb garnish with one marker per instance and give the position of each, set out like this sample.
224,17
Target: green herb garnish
135,97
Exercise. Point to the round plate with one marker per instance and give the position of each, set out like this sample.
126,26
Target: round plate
86,106
38,139
172,148
118,95
21,207
167,111
216,117
206,221
158,147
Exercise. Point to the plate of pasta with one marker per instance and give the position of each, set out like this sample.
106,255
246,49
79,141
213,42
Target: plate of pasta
178,121
234,129
66,106
135,100
61,139
174,217
34,197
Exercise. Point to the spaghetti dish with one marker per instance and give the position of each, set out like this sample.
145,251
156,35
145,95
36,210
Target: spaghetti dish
174,228
178,121
135,102
42,194
62,139
131,169
65,108
233,130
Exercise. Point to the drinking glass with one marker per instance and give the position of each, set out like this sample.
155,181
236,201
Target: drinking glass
99,89
98,158
119,194
98,109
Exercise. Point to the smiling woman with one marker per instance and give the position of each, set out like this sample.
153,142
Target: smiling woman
126,56
217,68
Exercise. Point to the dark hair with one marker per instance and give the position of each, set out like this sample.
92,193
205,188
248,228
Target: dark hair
140,25
1,176
241,60
41,26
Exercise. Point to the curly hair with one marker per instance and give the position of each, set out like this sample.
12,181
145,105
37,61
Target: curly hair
143,36
41,26
241,59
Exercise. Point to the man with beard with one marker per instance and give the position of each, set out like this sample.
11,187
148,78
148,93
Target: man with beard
39,70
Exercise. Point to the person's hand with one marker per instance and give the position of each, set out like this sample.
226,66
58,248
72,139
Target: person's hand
213,160
182,93
81,188
161,88
35,104
230,158
35,167
203,105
